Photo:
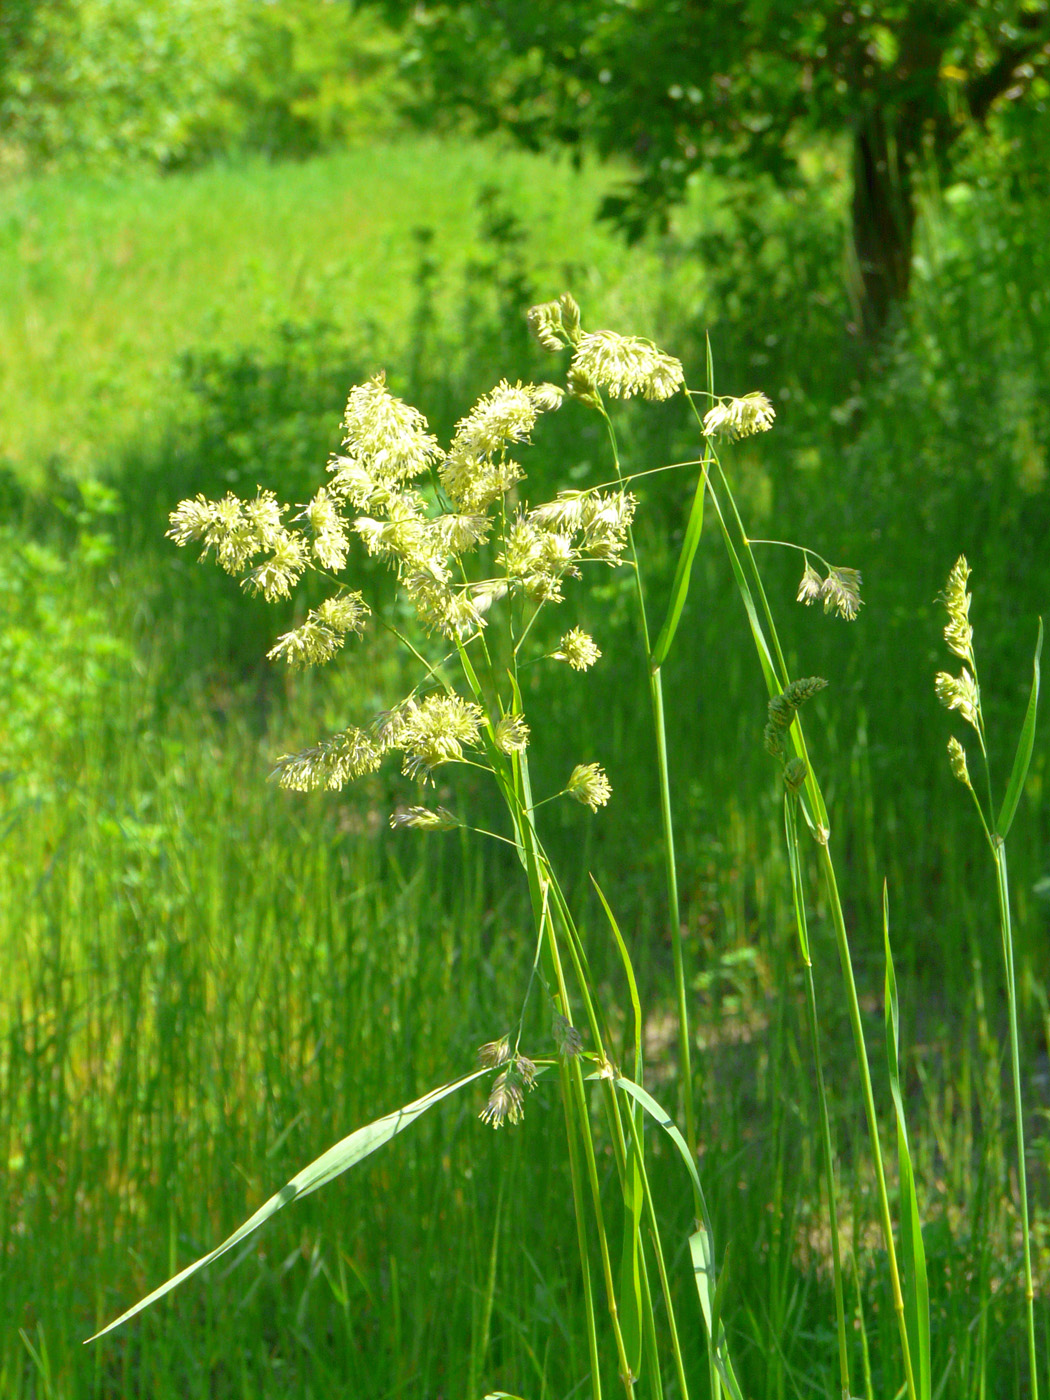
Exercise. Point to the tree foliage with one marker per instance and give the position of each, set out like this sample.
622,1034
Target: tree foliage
743,85
174,82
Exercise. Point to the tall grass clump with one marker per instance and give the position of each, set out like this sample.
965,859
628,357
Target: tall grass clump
482,578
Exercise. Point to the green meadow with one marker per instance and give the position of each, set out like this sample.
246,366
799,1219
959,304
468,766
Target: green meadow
207,980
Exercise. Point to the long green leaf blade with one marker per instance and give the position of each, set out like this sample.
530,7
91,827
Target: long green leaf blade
916,1285
700,1248
326,1168
1024,747
633,1199
683,571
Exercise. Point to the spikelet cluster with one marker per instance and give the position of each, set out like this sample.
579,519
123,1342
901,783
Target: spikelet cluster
589,785
839,591
731,419
956,598
959,692
622,365
783,708
395,494
507,1098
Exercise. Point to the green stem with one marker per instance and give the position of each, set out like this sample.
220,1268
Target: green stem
667,822
775,670
1003,886
853,1005
791,831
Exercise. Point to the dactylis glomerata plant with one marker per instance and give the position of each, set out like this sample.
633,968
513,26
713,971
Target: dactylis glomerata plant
478,563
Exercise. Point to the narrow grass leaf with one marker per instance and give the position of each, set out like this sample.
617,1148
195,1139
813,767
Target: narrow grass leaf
700,1247
630,1302
683,570
702,1255
916,1286
1024,747
338,1159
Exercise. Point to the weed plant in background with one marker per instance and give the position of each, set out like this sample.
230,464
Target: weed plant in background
479,571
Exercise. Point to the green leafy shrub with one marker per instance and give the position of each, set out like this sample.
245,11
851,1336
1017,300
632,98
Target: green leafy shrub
170,83
59,656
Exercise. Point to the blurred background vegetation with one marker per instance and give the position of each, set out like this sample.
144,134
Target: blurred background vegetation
217,215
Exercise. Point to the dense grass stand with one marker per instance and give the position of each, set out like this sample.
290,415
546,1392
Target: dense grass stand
479,574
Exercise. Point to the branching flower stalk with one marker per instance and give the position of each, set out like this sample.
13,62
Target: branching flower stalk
624,366
962,693
436,516
382,490
755,416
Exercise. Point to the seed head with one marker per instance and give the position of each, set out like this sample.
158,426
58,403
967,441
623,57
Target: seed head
578,649
508,1091
958,633
505,1102
957,759
494,1053
625,365
512,734
322,634
809,588
423,819
737,418
589,785
839,592
959,693
435,733
386,438
276,577
331,763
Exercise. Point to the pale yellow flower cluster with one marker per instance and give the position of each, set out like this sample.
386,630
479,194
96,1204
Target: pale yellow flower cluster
381,493
960,692
427,734
738,418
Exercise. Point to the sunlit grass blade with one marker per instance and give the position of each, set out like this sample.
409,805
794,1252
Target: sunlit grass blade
338,1159
700,1246
1024,747
683,570
633,1199
916,1286
702,1255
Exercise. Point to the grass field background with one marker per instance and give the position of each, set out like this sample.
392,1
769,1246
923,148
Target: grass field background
207,981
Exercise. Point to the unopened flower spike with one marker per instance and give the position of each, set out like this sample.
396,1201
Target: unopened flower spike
956,598
567,1038
423,819
957,760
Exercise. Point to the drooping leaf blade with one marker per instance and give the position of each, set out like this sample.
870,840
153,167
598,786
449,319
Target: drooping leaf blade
1025,744
700,1247
338,1159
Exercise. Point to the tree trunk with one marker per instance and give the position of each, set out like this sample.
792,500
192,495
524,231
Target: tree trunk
883,219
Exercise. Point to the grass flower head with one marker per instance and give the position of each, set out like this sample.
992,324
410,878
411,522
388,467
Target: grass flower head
589,785
625,365
738,418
